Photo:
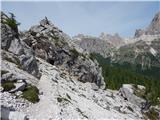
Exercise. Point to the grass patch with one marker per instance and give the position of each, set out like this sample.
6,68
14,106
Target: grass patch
8,85
14,60
31,94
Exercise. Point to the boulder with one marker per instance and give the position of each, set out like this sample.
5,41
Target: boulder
10,114
6,76
15,115
127,92
20,86
94,86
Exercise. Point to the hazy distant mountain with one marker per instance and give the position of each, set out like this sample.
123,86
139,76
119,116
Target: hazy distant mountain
152,29
145,47
94,44
114,40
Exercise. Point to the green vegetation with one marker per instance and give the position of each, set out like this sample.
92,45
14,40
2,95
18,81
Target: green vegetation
152,114
115,75
8,85
14,60
31,94
12,23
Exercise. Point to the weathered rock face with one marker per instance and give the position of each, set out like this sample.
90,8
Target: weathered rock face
8,114
10,42
94,45
152,29
143,52
127,92
144,49
114,40
54,46
139,32
61,95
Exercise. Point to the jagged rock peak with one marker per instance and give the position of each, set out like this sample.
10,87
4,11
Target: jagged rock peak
115,39
54,46
152,29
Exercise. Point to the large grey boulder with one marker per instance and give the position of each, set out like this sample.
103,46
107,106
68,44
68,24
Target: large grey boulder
20,86
127,92
9,114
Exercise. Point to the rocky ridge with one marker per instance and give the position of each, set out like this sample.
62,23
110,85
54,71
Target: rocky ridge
152,29
69,83
54,46
142,49
92,44
115,39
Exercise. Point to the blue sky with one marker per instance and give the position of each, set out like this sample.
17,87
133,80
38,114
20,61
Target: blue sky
89,18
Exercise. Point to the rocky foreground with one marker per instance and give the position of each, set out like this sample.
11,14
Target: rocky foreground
63,97
45,76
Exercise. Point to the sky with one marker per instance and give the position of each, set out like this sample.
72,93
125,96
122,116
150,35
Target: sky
89,18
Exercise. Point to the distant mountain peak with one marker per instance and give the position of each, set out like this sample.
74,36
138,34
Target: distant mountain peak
115,39
152,29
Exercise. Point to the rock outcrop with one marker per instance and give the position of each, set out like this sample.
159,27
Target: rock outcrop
152,29
43,63
54,46
94,45
114,40
143,49
11,43
127,91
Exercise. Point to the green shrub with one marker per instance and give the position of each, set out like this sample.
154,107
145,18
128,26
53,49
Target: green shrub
31,94
8,85
14,60
12,22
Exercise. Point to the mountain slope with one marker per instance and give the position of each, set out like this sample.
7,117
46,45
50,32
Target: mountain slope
44,76
152,29
94,44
